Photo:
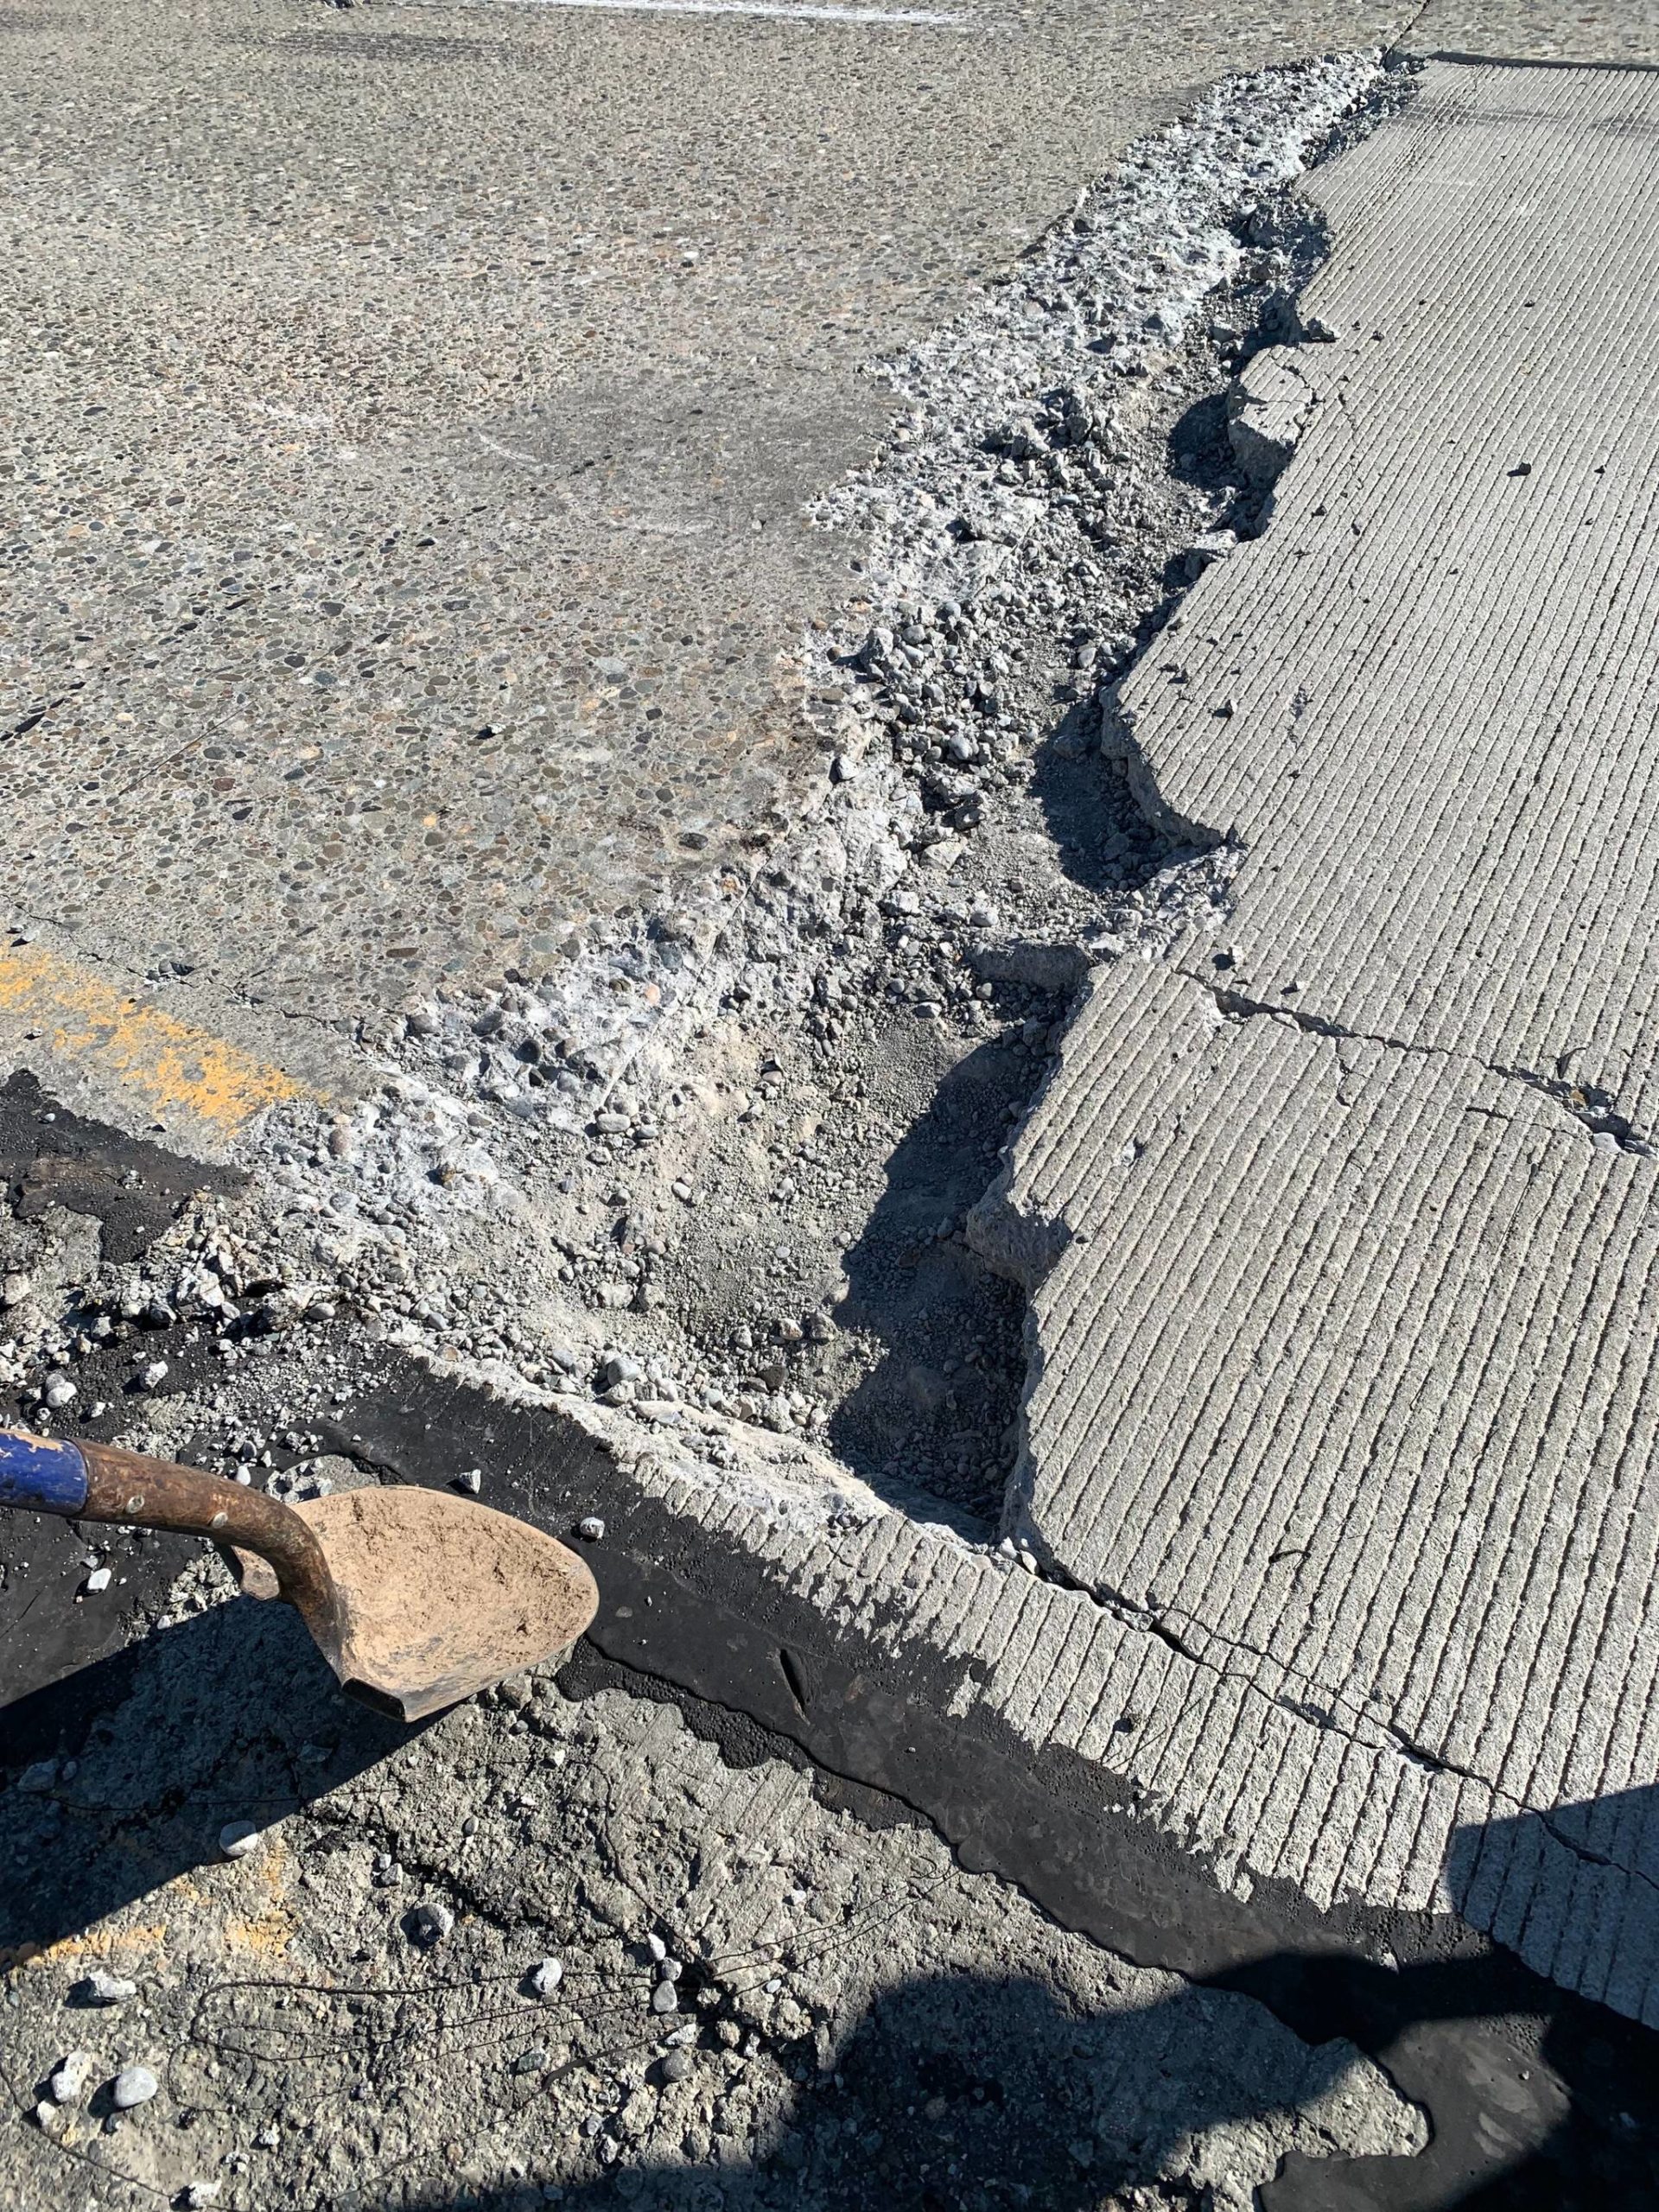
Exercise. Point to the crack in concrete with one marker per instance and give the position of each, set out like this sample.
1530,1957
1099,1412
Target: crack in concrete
1159,1624
1588,1104
1323,1717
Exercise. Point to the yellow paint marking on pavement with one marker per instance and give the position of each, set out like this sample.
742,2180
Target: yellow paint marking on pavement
168,1065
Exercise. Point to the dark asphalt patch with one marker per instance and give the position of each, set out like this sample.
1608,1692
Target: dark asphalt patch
1535,2097
133,1190
49,1634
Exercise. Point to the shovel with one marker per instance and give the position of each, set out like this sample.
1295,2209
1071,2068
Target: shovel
415,1598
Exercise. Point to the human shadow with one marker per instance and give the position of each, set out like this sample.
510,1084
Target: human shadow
1540,2102
964,2092
233,1716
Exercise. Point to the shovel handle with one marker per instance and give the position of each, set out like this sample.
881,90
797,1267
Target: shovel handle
101,1482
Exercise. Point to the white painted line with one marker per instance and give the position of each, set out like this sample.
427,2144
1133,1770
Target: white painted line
777,7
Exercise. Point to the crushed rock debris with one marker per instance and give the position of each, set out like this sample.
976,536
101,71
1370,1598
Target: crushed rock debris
724,1168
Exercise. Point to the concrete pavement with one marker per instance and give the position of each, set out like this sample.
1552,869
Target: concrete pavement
1270,1660
412,421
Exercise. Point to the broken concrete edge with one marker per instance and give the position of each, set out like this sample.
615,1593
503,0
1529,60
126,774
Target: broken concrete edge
1121,1481
899,1657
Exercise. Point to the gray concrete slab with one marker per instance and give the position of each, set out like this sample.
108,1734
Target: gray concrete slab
413,411
1421,705
1339,1234
1624,33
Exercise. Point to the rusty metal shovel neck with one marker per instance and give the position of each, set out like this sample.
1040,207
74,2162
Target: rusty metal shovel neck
415,1598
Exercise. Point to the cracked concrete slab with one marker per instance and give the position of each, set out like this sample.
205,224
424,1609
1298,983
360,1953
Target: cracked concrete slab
1341,1384
1422,702
1341,1236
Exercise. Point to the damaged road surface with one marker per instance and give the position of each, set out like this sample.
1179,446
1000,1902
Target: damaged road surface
1344,1373
1088,1297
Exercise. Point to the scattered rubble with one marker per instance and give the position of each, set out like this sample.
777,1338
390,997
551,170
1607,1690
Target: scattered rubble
724,1166
855,2015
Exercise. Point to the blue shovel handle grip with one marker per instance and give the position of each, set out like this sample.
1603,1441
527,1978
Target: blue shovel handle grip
41,1473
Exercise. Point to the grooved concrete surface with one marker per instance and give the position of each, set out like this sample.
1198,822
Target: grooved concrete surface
1192,1743
1345,1376
1442,663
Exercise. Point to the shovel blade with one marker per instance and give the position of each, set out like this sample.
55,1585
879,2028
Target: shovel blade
440,1597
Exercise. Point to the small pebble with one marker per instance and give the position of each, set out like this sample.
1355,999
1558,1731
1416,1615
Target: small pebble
71,2076
665,1997
103,1989
200,2194
430,1923
657,1948
545,1977
60,1392
470,1481
676,2066
99,1578
133,2085
153,1375
591,1530
36,1780
238,1839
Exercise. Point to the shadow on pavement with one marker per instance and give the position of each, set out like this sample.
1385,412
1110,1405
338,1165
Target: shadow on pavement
233,1716
967,2093
936,1412
964,2094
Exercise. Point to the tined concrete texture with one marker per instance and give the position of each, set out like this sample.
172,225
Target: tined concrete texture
1342,1224
551,1949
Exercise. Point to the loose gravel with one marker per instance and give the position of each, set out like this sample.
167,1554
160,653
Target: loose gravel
723,1160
